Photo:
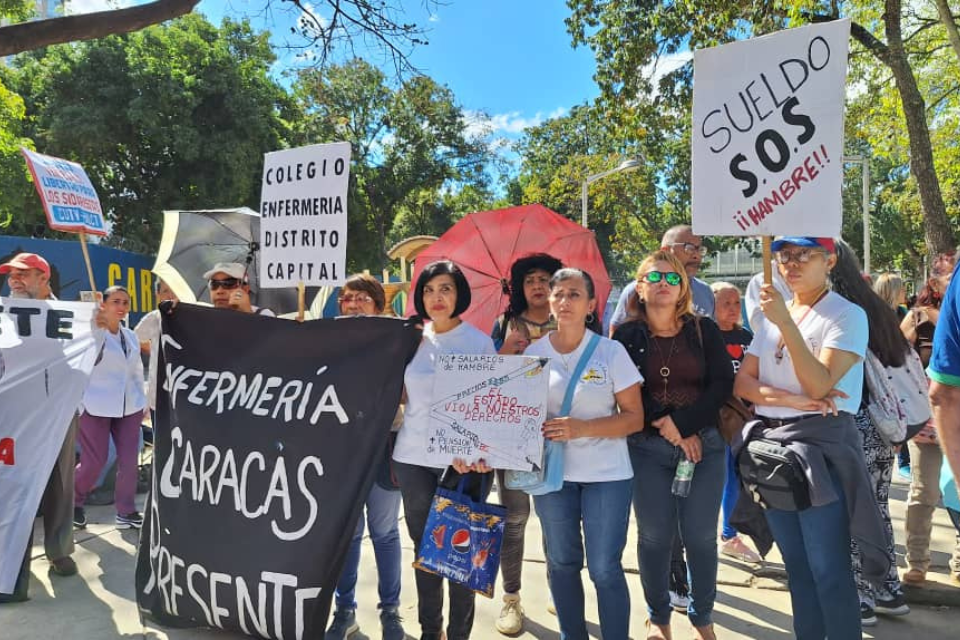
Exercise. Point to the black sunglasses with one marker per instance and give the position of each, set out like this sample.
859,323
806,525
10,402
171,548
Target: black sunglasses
228,283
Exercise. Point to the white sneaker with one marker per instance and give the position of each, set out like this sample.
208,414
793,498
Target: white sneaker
679,601
736,548
510,621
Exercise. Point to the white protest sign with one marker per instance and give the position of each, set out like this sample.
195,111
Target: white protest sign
47,350
768,134
303,216
68,196
489,407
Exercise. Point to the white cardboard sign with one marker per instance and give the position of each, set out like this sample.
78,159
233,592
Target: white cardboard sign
69,199
490,408
768,134
303,216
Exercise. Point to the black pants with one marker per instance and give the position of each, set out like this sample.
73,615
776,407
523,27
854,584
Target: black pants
511,553
417,486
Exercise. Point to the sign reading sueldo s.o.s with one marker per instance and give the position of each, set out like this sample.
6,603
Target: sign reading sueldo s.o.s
767,134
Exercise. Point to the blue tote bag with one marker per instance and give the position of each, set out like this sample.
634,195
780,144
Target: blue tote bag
462,539
549,477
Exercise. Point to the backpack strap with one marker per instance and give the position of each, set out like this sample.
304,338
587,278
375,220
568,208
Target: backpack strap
577,372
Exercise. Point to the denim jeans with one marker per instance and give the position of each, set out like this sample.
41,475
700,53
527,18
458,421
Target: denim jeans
603,508
511,553
731,493
417,487
383,519
658,513
815,545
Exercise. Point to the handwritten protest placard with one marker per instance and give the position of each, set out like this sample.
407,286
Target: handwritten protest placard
768,133
68,196
303,211
489,407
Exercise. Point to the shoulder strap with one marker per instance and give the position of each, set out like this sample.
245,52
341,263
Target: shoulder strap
577,372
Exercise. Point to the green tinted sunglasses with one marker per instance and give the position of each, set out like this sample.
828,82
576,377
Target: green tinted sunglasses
672,277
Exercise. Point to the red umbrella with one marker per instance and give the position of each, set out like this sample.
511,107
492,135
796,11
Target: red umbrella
486,243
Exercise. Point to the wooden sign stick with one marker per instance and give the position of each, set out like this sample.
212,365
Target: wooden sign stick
767,260
86,258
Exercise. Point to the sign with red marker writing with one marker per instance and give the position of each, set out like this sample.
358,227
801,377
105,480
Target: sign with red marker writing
68,196
768,134
489,408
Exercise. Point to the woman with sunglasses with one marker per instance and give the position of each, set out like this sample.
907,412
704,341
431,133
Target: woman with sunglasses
363,295
804,374
592,508
526,320
684,362
440,295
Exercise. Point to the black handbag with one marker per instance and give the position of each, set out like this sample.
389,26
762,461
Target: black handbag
773,475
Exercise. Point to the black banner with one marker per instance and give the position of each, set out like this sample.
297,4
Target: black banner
267,441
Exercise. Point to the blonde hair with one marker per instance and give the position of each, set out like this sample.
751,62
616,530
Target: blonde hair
888,286
637,308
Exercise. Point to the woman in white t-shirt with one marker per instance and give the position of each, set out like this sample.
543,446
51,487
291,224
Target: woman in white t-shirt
806,362
597,476
440,295
112,406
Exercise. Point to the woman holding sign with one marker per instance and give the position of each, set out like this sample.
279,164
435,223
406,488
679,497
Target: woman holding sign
112,406
605,407
440,295
363,295
679,460
804,374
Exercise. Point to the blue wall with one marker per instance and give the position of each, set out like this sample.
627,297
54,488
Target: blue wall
69,273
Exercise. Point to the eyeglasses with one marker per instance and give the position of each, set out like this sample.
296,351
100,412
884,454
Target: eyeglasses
802,256
691,249
227,283
672,277
360,298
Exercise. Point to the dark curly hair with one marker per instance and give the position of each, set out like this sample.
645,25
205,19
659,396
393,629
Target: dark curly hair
518,271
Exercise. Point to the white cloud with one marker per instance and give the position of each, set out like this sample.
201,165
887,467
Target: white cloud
434,17
74,7
658,68
509,124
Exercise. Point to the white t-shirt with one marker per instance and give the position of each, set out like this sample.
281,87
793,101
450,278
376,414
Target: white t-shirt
115,389
751,299
833,323
609,371
418,379
148,330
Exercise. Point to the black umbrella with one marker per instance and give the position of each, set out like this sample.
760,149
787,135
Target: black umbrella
194,241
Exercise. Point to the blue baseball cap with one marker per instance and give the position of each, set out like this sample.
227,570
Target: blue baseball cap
803,241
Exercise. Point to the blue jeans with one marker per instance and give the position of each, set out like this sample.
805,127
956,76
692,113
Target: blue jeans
383,511
731,493
604,510
815,545
659,513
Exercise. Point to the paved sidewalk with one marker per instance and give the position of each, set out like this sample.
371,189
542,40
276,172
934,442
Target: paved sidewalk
752,603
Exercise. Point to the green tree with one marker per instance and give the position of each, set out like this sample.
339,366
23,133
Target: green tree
172,117
409,144
627,36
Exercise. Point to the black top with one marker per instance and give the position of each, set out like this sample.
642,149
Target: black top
737,340
715,374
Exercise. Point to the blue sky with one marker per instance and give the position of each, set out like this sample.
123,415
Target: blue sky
510,59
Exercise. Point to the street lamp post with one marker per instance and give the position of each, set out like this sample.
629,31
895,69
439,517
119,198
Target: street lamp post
864,162
627,165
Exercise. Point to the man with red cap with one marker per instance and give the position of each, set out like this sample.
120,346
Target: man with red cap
28,275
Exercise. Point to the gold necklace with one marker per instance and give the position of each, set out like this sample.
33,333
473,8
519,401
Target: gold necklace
665,365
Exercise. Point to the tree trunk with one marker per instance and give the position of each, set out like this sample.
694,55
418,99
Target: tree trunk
946,17
25,36
938,233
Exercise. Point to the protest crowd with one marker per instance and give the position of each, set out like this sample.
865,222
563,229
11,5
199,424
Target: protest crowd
643,411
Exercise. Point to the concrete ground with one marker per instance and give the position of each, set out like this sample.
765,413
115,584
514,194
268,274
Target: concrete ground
752,601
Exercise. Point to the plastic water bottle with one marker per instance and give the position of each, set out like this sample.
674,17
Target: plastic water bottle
684,477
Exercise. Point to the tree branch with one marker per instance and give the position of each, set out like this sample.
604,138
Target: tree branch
25,36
